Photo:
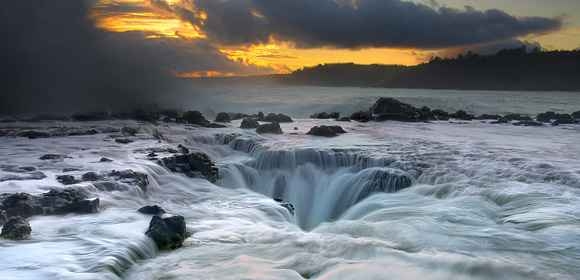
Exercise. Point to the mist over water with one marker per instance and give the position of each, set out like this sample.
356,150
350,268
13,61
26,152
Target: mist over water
386,200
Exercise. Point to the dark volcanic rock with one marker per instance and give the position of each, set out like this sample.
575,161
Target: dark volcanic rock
361,116
394,110
33,134
17,169
488,117
67,179
223,117
16,228
576,115
425,114
35,175
289,206
462,115
517,117
81,132
326,131
167,231
193,165
151,210
249,123
195,117
279,118
123,140
104,159
501,121
107,186
528,123
269,128
261,116
546,117
215,125
129,131
322,116
563,119
52,157
91,176
54,202
131,177
440,115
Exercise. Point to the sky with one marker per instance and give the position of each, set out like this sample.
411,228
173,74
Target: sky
279,36
73,55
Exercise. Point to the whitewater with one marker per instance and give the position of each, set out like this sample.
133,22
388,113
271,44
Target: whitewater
389,200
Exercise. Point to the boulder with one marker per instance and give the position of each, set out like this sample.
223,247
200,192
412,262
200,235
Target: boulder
151,210
361,116
440,115
278,118
123,140
249,123
67,179
462,115
16,228
261,116
91,177
104,159
167,231
269,128
107,186
326,131
193,165
488,117
223,117
54,202
546,117
517,117
425,114
563,119
195,117
576,115
129,131
387,108
131,177
33,134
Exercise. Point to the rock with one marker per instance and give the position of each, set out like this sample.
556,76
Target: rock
546,117
326,131
237,116
151,210
52,157
517,117
195,117
182,149
440,115
36,175
129,131
528,123
215,125
322,116
91,177
249,123
193,165
3,217
70,169
501,120
54,202
286,205
33,134
167,231
93,116
123,140
261,116
17,169
16,228
269,128
82,132
343,119
386,108
488,117
462,115
278,118
425,114
107,186
67,179
563,119
131,177
361,116
576,115
223,117
104,159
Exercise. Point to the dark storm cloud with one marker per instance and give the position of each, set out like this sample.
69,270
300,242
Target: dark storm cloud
54,59
361,23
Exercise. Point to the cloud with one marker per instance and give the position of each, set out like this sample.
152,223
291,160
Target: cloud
357,23
54,59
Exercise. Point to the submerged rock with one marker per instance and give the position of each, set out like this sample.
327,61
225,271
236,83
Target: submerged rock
123,140
91,177
223,118
108,186
361,116
167,231
36,175
52,157
249,123
193,165
151,210
33,134
528,123
131,177
16,228
104,159
326,131
278,118
269,128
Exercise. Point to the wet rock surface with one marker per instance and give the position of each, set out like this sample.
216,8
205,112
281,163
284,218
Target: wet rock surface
326,131
167,231
16,228
249,123
361,116
390,109
269,128
195,165
52,157
223,117
151,210
278,118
